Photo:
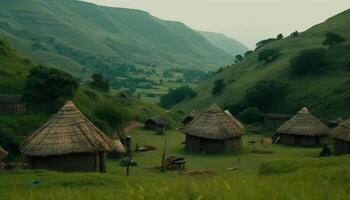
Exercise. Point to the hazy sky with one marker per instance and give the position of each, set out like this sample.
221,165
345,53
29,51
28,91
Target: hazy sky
246,20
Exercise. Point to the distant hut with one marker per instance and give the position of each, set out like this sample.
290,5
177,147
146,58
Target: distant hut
3,153
303,129
335,122
12,103
341,136
67,142
156,123
188,119
213,131
118,147
274,121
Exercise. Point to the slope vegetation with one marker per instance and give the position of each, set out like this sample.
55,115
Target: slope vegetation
326,93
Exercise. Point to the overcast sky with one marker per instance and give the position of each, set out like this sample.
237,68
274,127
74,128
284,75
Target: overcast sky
248,21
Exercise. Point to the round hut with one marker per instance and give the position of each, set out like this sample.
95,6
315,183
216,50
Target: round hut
341,136
303,129
67,142
3,153
118,148
213,131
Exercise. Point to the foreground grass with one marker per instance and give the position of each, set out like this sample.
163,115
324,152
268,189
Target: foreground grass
287,173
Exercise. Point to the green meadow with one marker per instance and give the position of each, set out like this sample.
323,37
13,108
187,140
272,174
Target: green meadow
287,173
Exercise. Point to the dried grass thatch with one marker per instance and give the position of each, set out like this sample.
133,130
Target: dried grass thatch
214,123
69,131
117,145
3,153
342,131
304,123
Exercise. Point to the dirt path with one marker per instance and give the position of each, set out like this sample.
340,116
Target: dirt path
132,125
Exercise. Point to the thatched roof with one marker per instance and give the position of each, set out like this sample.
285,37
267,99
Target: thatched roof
304,123
117,145
3,153
157,120
214,123
342,131
69,131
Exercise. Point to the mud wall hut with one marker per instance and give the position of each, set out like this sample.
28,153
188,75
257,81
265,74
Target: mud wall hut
213,131
341,137
303,129
12,103
67,142
156,123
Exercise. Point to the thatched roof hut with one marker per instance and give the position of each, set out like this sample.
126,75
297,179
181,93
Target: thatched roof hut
3,153
213,131
12,103
341,136
67,142
118,147
156,123
303,129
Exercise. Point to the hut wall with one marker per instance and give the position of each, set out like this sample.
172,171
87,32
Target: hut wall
341,147
87,162
233,144
300,140
307,141
151,126
287,139
192,143
13,107
212,146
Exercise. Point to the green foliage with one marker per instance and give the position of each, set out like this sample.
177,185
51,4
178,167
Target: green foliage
175,96
309,61
294,34
99,83
247,53
49,84
332,39
251,115
265,94
268,55
264,42
280,36
219,85
277,167
239,58
116,117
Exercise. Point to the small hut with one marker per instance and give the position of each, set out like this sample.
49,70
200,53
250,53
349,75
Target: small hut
67,142
341,136
156,123
3,153
213,131
12,103
118,147
303,129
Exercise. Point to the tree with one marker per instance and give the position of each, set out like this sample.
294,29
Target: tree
219,85
268,55
175,96
99,83
248,53
250,115
239,58
280,36
295,34
332,39
48,84
308,61
264,42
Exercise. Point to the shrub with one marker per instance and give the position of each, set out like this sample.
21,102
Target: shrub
219,85
264,42
176,96
280,36
99,82
49,84
250,115
239,58
332,39
268,55
115,118
308,61
295,34
248,53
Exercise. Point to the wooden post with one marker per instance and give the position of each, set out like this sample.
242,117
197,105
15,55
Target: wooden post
163,156
128,146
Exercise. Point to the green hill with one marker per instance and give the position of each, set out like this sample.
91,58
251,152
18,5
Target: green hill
326,94
80,37
94,104
227,44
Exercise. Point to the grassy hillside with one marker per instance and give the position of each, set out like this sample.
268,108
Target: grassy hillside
229,45
75,35
299,174
326,94
14,127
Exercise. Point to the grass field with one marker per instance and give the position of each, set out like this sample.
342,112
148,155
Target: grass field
287,173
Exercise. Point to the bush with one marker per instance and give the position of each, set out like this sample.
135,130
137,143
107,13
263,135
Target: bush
332,39
99,82
251,115
264,42
266,93
219,85
176,96
49,84
115,118
248,53
309,61
268,55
